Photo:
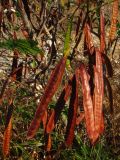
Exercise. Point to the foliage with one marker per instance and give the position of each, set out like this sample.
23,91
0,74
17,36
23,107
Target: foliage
28,47
65,91
118,29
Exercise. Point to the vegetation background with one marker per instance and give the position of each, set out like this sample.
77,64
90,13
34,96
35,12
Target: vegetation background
34,36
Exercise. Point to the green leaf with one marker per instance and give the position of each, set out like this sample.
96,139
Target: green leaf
66,50
118,25
22,45
118,33
33,64
68,66
18,14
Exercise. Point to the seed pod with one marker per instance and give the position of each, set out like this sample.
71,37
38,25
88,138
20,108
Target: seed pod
6,140
102,31
58,107
80,118
88,39
7,133
53,84
113,21
48,142
72,112
88,104
98,92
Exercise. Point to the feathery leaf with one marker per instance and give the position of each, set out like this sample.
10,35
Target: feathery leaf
22,45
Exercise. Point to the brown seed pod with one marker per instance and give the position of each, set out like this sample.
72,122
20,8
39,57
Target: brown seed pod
52,86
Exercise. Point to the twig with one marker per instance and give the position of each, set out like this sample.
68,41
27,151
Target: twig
79,38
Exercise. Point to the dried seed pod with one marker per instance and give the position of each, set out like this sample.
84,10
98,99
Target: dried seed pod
88,39
44,119
80,118
110,94
53,84
58,107
72,112
113,21
108,65
102,31
8,129
6,140
98,92
14,64
48,142
88,105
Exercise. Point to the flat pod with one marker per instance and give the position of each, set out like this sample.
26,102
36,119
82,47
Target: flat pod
6,139
108,64
59,107
48,144
52,86
113,27
88,39
102,31
80,118
72,112
8,129
110,94
98,92
88,104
